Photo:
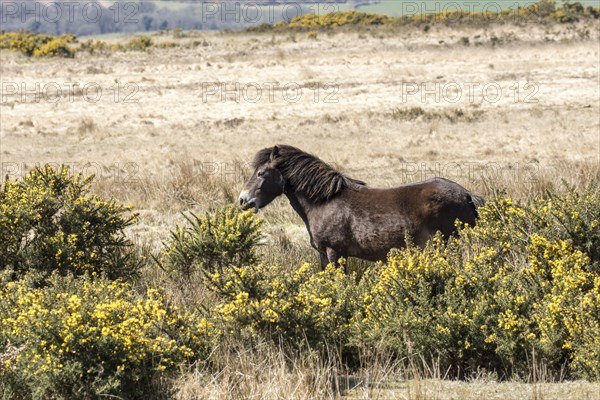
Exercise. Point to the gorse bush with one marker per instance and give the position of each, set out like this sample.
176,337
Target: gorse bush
337,19
50,222
90,337
39,45
297,307
213,241
139,43
44,45
574,217
55,48
97,47
521,282
70,324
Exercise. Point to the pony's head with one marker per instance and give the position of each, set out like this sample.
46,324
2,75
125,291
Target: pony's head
265,184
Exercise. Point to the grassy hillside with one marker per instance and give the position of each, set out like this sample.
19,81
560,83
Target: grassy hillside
542,12
399,8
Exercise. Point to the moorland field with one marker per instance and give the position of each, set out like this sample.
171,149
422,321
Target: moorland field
387,108
503,109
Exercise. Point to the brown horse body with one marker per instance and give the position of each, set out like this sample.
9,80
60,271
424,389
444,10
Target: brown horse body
344,217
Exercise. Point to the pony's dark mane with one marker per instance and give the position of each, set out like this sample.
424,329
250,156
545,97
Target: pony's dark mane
306,173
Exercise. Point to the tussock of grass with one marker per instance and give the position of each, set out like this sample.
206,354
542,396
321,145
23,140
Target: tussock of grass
259,371
452,116
187,184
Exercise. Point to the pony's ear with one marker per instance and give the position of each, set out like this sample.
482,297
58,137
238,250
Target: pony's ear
274,153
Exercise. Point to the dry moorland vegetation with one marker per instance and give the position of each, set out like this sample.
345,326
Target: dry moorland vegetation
161,132
504,109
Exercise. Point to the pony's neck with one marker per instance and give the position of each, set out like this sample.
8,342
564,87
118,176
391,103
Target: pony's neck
301,204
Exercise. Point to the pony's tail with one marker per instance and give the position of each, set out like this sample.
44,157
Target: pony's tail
476,201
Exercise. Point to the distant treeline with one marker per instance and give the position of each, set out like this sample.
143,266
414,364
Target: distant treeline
92,17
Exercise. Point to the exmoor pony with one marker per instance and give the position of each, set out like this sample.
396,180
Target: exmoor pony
345,217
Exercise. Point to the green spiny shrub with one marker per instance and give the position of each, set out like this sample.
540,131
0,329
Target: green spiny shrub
335,20
39,45
296,306
49,221
55,48
213,241
139,43
23,41
98,47
523,281
90,337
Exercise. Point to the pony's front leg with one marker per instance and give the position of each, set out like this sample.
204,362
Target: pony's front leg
330,256
324,260
333,257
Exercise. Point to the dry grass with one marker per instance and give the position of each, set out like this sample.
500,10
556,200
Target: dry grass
266,372
433,389
262,372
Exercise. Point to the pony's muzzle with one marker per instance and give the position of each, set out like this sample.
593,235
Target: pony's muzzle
245,201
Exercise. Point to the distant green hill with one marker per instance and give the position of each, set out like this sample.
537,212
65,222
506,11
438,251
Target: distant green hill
97,17
544,11
399,8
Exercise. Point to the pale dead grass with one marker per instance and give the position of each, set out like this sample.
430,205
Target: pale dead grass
429,389
170,119
264,371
